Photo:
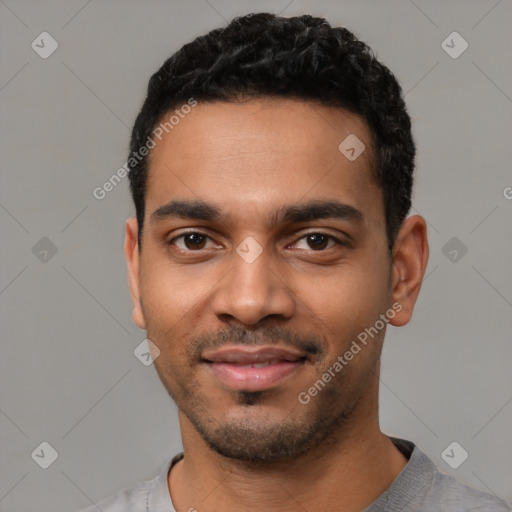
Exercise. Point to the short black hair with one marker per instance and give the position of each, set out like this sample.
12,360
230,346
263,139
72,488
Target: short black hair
302,57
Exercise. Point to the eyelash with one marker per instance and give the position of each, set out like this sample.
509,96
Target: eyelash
331,237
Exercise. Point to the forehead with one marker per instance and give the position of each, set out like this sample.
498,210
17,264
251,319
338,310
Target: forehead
252,156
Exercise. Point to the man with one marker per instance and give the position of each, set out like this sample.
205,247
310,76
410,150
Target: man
271,168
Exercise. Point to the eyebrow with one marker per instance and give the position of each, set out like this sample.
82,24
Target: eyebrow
289,213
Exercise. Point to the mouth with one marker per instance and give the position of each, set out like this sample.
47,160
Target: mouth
253,368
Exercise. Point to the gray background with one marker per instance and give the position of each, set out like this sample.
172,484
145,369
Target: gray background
68,374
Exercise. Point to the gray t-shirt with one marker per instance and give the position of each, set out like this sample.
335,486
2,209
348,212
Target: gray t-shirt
419,487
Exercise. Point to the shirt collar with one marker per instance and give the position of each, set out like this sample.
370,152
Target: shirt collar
159,496
411,484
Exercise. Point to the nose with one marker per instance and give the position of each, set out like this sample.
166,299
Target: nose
250,292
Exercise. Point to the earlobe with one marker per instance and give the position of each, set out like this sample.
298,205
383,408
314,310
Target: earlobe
410,258
131,251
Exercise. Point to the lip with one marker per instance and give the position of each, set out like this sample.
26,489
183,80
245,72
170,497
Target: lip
234,366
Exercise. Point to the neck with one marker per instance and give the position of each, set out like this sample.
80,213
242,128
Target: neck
351,471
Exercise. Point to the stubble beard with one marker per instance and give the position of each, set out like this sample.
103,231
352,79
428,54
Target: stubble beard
253,438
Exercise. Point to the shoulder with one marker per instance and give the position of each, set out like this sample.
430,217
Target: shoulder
148,495
422,487
133,499
449,494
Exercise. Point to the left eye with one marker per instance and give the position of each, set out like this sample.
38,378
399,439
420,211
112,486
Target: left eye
319,241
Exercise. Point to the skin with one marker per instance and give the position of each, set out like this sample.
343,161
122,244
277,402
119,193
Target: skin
250,158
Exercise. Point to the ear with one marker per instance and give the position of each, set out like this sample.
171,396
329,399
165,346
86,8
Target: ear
131,252
410,258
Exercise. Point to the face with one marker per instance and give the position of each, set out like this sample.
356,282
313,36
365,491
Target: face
263,243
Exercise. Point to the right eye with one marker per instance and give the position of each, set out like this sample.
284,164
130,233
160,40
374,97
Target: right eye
191,241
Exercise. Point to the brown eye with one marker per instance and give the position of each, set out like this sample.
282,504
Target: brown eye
194,241
191,241
317,241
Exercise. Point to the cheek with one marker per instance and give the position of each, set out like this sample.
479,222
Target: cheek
348,301
172,295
